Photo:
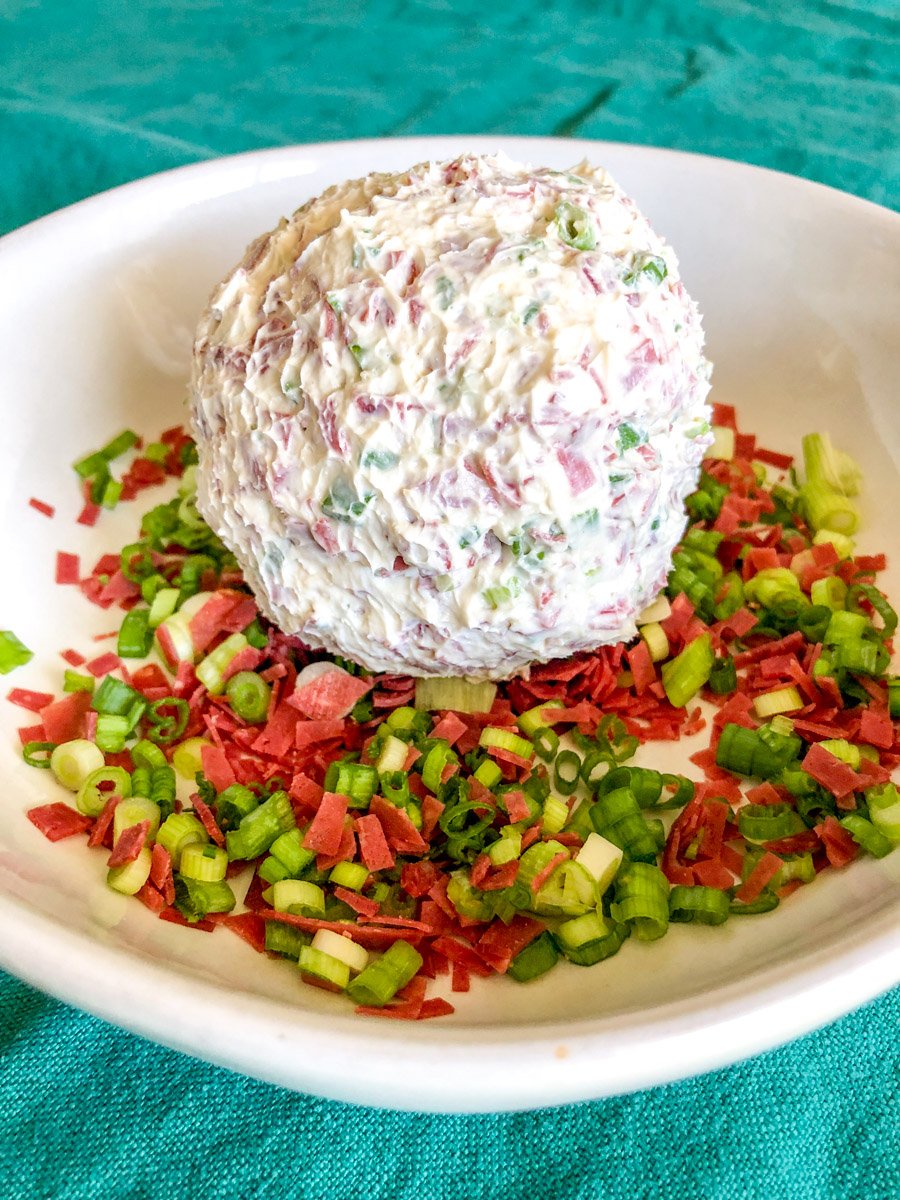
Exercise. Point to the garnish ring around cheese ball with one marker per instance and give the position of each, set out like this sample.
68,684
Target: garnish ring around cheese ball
447,419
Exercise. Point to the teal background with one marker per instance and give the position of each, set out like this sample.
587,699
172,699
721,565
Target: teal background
95,94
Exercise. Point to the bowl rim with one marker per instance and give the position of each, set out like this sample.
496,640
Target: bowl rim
419,1067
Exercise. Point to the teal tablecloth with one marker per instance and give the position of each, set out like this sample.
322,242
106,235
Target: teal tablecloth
94,94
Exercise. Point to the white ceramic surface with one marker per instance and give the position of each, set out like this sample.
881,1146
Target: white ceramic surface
800,287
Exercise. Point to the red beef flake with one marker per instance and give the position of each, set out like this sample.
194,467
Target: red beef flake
208,820
248,926
161,875
399,830
371,937
840,847
330,695
279,733
151,897
456,951
104,664
876,728
460,978
24,698
89,514
450,728
432,808
578,471
174,917
216,767
73,658
68,567
305,793
642,668
345,852
417,879
224,612
499,944
42,507
325,834
101,834
58,821
438,1007
30,733
360,904
129,844
373,847
63,720
764,871
313,733
839,778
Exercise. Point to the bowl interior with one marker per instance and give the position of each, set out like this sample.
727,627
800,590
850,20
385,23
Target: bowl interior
799,288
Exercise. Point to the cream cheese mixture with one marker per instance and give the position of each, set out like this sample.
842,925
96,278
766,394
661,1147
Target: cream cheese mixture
447,419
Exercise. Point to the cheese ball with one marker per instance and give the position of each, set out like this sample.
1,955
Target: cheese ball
447,419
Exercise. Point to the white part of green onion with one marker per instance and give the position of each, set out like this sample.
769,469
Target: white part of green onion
657,611
656,641
783,700
507,847
186,758
555,814
72,762
194,603
723,444
344,949
205,863
601,859
130,878
132,812
459,695
393,755
299,893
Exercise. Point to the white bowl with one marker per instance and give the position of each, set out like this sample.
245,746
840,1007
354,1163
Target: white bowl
800,287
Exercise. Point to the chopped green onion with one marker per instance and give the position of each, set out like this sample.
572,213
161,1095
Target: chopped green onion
705,905
382,979
843,545
545,742
356,780
617,817
722,447
878,602
187,757
135,634
535,960
769,822
211,670
505,739
570,891
590,939
750,752
686,674
786,699
112,733
507,847
436,760
830,592
344,949
488,774
349,875
234,804
131,877
575,226
249,696
828,509
207,864
167,726
555,814
72,762
458,695
38,754
865,834
273,870
259,829
533,720
298,896
162,606
74,682
285,939
179,831
116,698
825,464
114,781
884,810
195,898
642,900
566,772
765,902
